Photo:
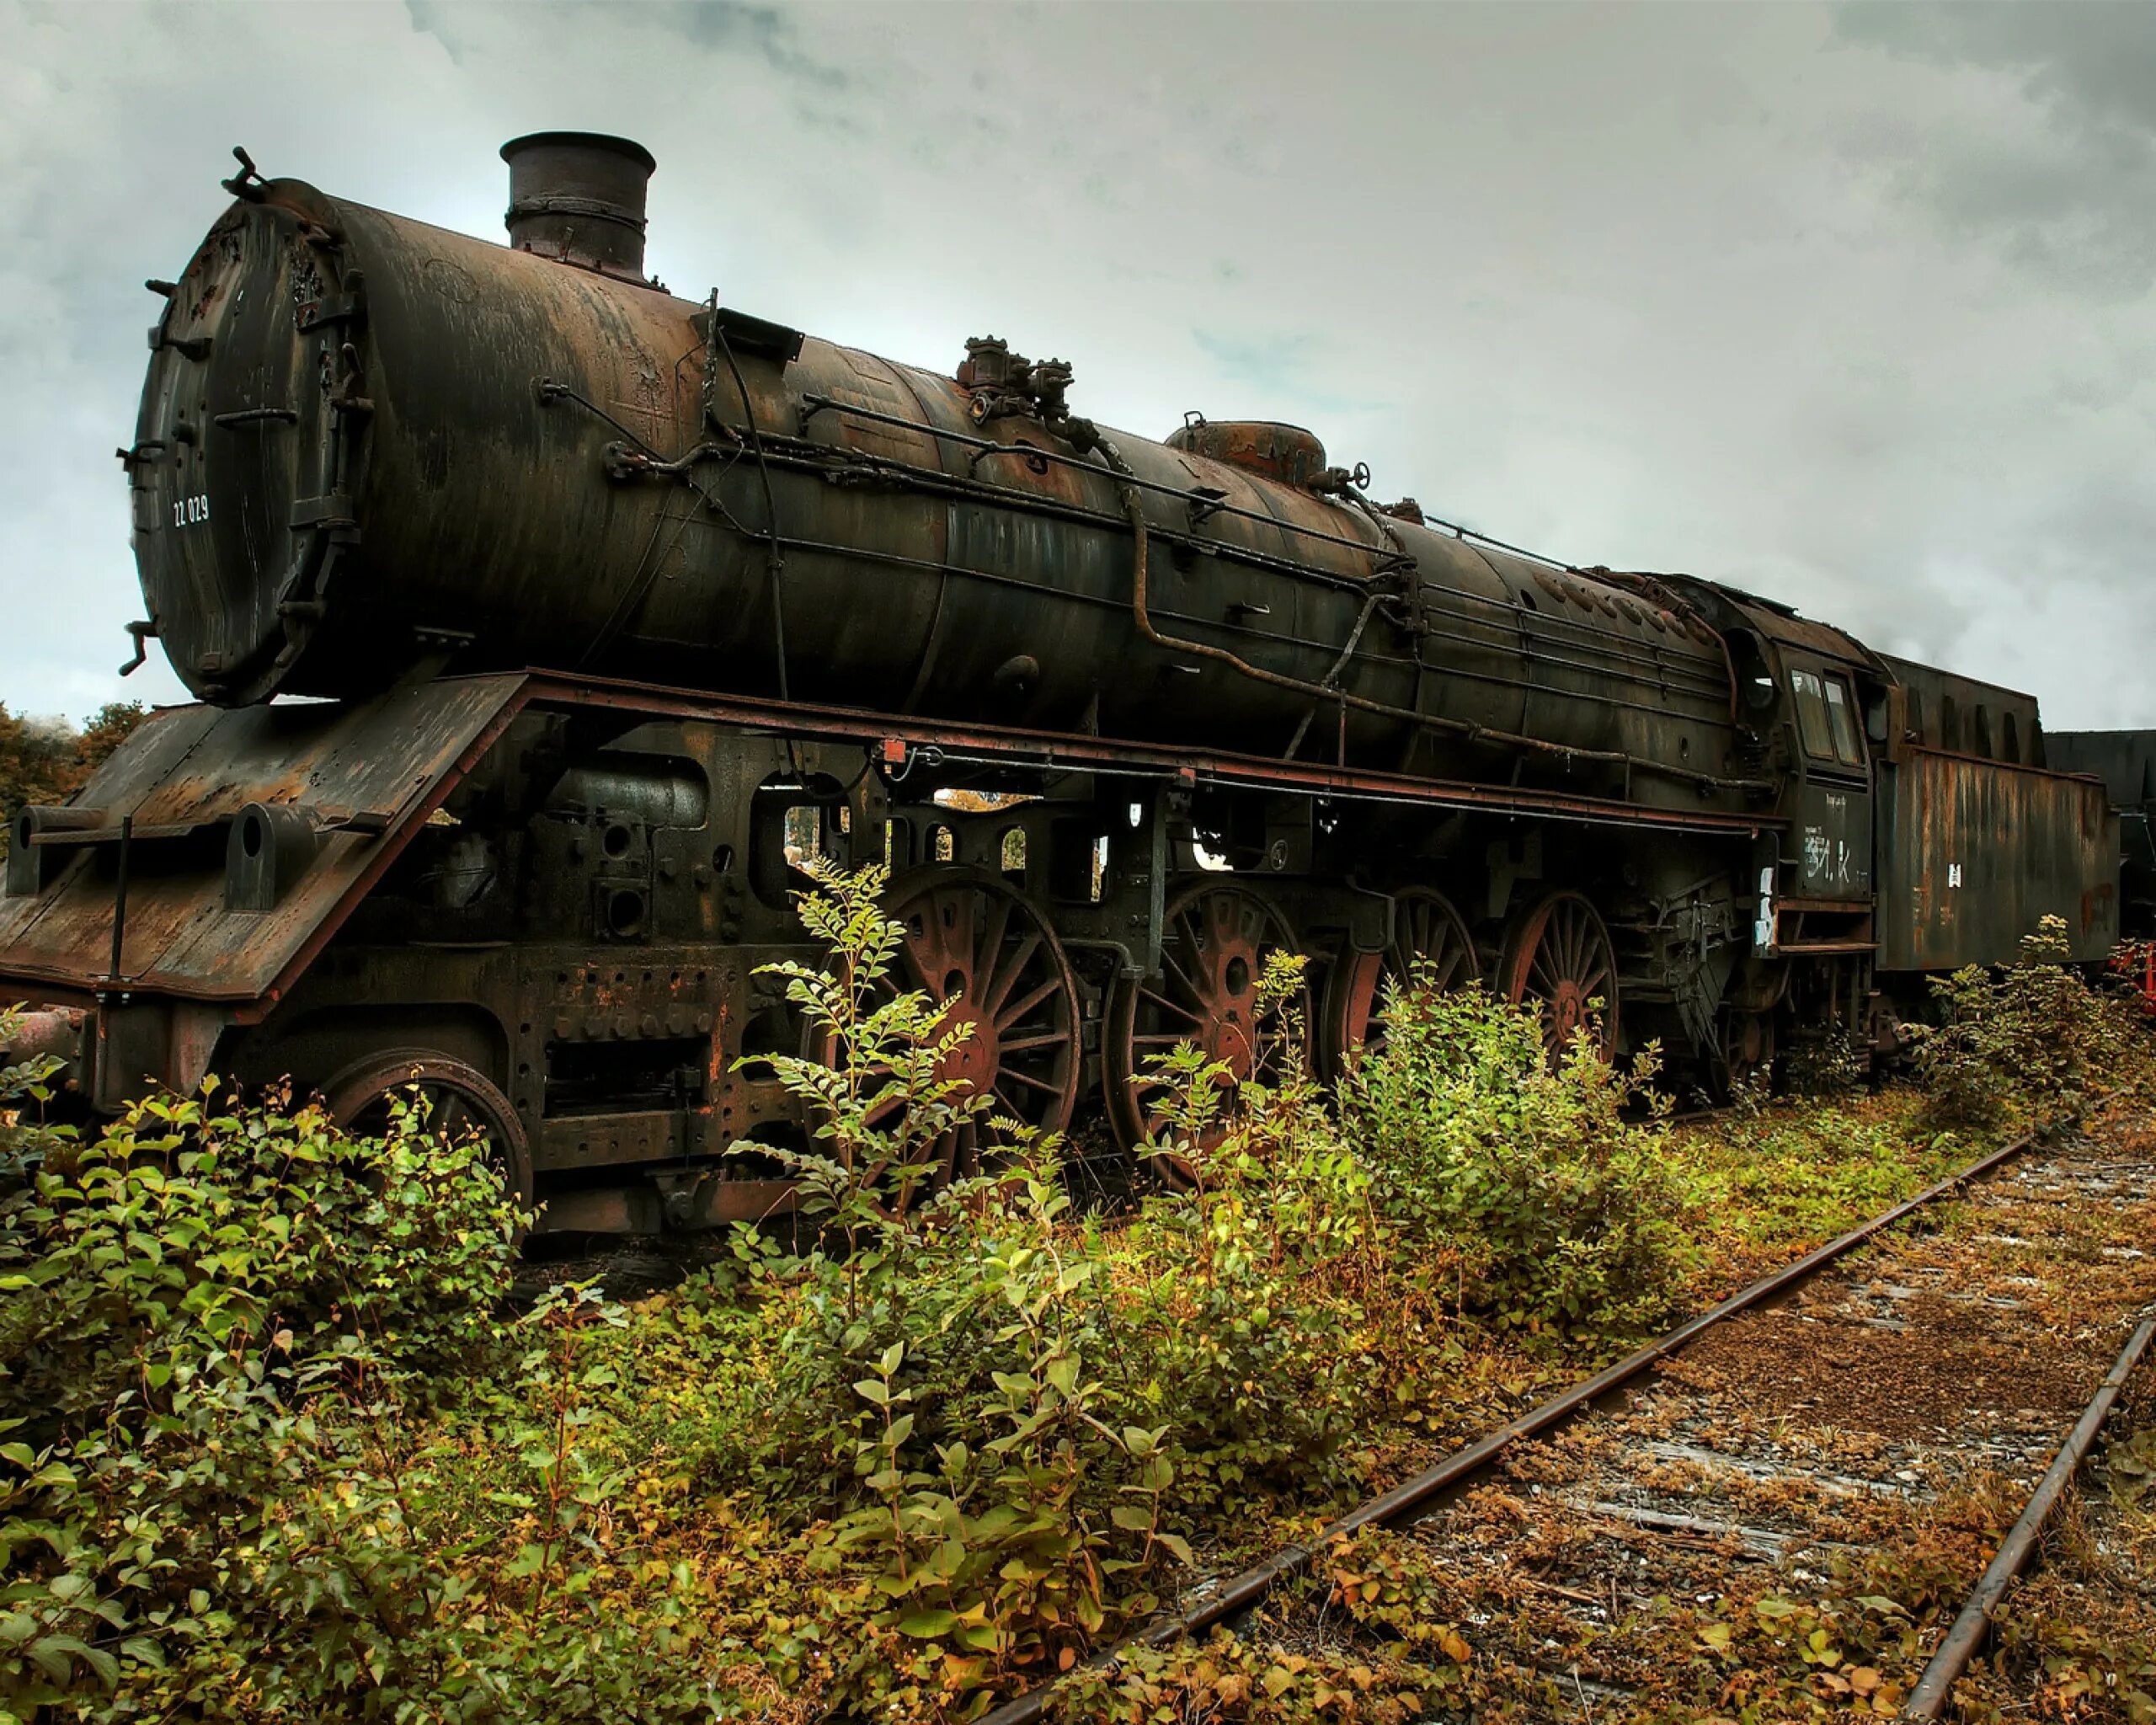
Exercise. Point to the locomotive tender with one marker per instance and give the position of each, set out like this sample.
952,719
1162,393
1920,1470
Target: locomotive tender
617,603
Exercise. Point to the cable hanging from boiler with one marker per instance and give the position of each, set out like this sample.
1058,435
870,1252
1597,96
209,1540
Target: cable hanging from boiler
775,544
1133,505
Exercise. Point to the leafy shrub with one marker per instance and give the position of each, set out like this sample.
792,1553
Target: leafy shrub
187,1237
937,1401
209,1309
999,1422
1828,1064
2028,1039
1563,1216
881,1102
1244,1321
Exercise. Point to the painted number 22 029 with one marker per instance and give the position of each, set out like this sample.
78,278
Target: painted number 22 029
186,512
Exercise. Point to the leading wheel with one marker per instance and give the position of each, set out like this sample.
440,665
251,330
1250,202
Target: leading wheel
1558,958
1215,942
460,1099
1430,948
977,947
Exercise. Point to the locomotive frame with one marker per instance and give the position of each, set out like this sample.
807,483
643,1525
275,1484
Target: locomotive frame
557,928
594,1003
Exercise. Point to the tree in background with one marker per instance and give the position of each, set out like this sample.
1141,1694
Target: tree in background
47,760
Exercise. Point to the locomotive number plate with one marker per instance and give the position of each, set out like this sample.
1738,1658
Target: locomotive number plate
188,510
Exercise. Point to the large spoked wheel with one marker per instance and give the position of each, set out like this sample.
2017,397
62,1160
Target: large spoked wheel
976,947
1431,947
1560,959
1215,942
460,1099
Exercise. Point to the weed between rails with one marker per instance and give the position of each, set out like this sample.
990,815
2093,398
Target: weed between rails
274,1452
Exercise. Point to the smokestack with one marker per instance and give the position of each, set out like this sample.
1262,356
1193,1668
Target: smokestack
577,197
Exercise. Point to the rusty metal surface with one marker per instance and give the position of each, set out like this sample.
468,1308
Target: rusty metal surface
579,198
211,931
1785,627
1287,453
616,492
369,773
1976,853
2126,761
1959,715
1934,1691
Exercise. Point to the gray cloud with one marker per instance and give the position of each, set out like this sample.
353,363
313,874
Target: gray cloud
1844,306
2062,182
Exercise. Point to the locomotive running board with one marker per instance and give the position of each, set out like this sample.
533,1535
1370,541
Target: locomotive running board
899,739
199,950
359,779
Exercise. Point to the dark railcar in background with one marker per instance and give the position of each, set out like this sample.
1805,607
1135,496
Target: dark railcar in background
2126,761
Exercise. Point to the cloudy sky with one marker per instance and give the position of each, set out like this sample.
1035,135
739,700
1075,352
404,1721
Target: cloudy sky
1849,306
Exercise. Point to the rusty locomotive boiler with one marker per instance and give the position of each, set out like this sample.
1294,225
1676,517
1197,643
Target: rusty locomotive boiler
621,603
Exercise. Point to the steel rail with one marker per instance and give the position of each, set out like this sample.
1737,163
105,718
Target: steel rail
1966,1638
1253,1584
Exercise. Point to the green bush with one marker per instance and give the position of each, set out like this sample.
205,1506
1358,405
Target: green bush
190,1237
210,1313
937,1403
1243,1309
2027,1039
1547,1181
999,1426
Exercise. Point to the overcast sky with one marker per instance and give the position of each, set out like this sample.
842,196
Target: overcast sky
1847,305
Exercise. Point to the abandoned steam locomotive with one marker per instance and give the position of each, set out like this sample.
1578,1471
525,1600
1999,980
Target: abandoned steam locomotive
621,602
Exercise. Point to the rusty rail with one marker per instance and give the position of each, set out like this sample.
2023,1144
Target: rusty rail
1245,1590
1965,1640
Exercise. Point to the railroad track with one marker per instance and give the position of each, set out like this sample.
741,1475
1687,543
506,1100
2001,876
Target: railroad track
1879,1407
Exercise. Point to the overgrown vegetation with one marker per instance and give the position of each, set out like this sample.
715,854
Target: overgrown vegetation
1547,1187
2021,1041
276,1447
220,1328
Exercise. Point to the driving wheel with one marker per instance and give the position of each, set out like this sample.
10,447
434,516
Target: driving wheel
459,1099
1430,948
1746,1054
979,948
1215,942
1560,959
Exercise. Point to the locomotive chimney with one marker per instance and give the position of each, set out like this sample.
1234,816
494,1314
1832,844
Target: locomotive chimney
577,197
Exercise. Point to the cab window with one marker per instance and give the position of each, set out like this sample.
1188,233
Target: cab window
1841,716
1812,724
